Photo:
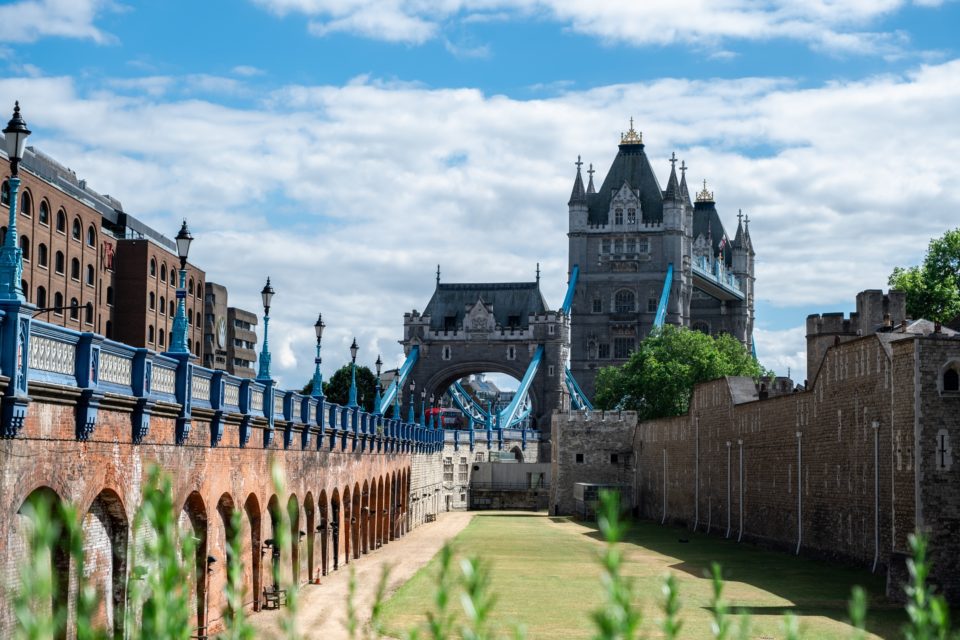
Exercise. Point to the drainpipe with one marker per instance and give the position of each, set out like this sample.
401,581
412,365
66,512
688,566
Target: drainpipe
740,533
728,490
799,491
696,471
876,494
664,518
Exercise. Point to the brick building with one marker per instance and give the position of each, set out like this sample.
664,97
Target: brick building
230,339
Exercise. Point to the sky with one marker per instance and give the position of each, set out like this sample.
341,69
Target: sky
345,148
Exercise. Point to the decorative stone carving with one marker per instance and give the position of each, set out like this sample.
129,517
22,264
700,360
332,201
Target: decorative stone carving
52,355
231,394
200,388
115,369
164,380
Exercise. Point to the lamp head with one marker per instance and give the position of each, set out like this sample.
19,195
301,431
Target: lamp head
266,294
353,350
318,327
379,365
184,238
413,386
15,136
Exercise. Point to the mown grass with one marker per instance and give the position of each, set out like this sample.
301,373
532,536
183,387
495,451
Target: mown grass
546,578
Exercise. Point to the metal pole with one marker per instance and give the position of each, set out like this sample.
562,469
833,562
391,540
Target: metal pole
740,533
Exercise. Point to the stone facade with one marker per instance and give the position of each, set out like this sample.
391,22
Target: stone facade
459,457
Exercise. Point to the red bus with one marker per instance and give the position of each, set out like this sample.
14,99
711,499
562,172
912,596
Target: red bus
447,418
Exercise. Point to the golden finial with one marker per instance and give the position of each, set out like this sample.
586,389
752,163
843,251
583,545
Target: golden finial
704,195
631,136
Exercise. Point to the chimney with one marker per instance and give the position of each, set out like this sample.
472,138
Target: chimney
937,326
887,321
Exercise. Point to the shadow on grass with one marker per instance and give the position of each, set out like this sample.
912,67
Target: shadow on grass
517,514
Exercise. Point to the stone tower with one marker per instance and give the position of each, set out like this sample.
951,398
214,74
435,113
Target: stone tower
624,238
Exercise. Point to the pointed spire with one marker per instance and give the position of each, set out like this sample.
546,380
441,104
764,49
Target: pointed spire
746,234
590,187
705,195
738,241
684,192
538,273
673,185
632,136
578,195
438,275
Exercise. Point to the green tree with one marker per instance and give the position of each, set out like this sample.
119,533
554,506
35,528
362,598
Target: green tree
658,378
337,387
933,288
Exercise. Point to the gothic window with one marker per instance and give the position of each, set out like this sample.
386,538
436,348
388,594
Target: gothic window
90,275
74,309
61,221
605,245
623,302
41,297
951,380
631,245
44,213
190,286
631,216
603,350
26,204
59,262
58,303
652,305
76,232
42,254
643,245
622,347
597,305
618,216
75,269
446,354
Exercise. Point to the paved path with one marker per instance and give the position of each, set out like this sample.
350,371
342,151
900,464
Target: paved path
321,609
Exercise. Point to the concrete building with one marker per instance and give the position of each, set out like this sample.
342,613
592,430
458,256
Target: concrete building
230,339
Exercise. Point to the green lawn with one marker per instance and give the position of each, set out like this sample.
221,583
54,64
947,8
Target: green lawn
546,577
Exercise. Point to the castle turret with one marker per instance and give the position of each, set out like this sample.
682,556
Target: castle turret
578,201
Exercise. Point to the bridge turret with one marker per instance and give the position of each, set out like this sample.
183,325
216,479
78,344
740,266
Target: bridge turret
578,201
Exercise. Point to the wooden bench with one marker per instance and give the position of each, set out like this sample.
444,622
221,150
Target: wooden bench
273,598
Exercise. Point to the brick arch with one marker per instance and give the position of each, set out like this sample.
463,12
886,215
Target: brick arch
323,529
293,513
106,533
393,505
373,532
252,573
220,537
336,513
46,498
309,515
345,531
355,516
365,519
274,560
443,377
383,488
193,521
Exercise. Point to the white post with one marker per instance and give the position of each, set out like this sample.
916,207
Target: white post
799,491
876,494
696,473
740,534
664,518
728,490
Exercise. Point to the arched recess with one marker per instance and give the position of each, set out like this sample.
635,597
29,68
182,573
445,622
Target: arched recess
517,454
42,500
384,489
323,530
273,549
193,522
293,513
220,541
355,517
251,572
440,381
105,539
392,509
309,540
365,519
347,525
335,515
373,530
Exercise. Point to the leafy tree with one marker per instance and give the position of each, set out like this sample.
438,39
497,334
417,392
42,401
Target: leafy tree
658,378
337,387
933,288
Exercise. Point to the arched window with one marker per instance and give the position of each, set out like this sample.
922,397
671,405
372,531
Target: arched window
163,306
5,194
75,269
172,308
42,255
110,296
951,380
3,235
152,303
150,334
618,216
153,268
88,313
26,204
109,329
196,347
74,309
41,297
173,277
58,303
199,290
624,301
76,231
162,342
62,221
90,275
190,286
25,247
58,262
190,318
44,217
91,236
163,272
25,287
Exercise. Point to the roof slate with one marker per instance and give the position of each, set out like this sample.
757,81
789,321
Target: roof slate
631,166
506,298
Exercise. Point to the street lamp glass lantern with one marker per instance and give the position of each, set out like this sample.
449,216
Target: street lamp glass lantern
353,350
318,327
413,386
16,135
184,238
379,364
267,295
423,395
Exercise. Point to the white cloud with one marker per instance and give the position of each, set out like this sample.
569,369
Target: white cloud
348,196
31,20
838,26
784,351
247,71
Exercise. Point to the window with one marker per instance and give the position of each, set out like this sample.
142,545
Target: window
614,458
173,277
150,334
618,216
26,204
513,322
551,329
152,301
172,310
163,272
162,341
163,306
75,232
90,275
110,296
579,458
643,245
44,216
623,302
74,309
190,317
511,353
597,305
3,235
41,297
109,332
190,286
617,246
651,305
5,193
550,371
631,216
25,287
91,236
25,247
631,245
199,290
603,350
951,380
88,313
196,347
42,255
58,262
61,221
153,268
58,303
450,323
446,354
605,245
479,457
75,269
622,347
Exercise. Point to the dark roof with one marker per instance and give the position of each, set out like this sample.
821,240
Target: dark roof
578,195
631,166
673,186
506,298
684,192
706,221
738,240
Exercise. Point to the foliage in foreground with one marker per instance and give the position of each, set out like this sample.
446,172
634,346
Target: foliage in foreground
161,585
657,381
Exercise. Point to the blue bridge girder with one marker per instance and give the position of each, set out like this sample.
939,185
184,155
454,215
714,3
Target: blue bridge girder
389,395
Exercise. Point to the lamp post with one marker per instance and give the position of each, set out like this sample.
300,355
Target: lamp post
317,376
413,387
376,397
180,343
11,264
423,407
266,294
352,402
431,410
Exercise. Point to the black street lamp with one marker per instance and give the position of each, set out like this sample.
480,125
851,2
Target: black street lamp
266,294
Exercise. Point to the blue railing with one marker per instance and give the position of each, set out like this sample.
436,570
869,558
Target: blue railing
716,272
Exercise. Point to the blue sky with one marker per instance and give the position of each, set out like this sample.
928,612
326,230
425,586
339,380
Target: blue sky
345,147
